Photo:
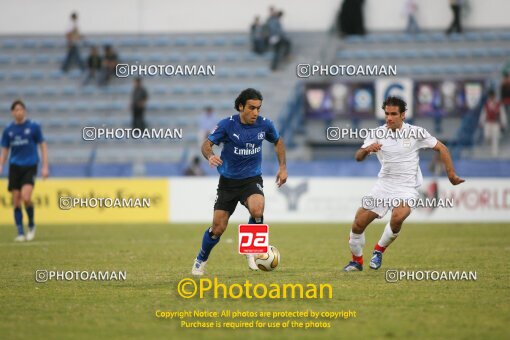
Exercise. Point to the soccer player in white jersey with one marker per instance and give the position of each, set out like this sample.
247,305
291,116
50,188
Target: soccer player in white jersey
398,180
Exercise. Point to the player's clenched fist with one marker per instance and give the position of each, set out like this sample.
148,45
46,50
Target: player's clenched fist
215,160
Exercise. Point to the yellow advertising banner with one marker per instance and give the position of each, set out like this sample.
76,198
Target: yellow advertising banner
90,201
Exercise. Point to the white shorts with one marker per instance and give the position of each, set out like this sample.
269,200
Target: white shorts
381,200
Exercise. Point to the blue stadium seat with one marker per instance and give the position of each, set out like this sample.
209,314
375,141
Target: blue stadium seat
30,91
160,90
504,35
240,40
9,43
463,53
200,41
156,58
182,41
42,59
41,107
162,42
29,43
56,74
11,91
216,89
473,36
438,37
198,89
403,38
212,56
75,74
37,75
479,52
2,75
17,75
445,53
5,59
178,89
69,90
193,57
174,57
82,106
231,56
490,36
52,43
410,54
48,91
261,72
219,41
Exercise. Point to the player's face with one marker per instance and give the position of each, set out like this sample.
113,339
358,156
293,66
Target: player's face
394,118
19,113
250,111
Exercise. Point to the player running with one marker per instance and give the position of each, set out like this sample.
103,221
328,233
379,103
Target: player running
22,137
399,178
240,169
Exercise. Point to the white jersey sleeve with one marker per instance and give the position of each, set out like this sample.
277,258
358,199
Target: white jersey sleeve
425,140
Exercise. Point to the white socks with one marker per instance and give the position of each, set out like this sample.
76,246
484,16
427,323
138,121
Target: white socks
387,236
356,243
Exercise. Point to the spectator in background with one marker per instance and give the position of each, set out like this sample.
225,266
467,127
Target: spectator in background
257,37
139,99
350,18
93,66
505,93
110,61
73,38
456,6
410,9
493,120
206,124
277,39
194,169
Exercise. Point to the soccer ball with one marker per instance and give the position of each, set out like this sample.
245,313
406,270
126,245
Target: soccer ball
268,261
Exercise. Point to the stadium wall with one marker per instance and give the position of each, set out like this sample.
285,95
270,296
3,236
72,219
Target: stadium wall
302,199
151,16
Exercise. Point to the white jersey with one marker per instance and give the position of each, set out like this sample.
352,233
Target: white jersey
399,157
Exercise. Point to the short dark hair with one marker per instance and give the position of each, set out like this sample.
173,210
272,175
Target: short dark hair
246,95
395,101
491,93
17,102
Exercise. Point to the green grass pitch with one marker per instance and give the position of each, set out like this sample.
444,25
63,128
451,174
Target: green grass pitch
157,257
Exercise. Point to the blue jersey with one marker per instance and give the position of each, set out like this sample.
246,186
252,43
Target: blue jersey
22,139
242,145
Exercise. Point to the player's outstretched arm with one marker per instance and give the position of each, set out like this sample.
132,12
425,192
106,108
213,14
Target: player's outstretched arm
45,172
281,175
362,153
445,157
208,153
3,156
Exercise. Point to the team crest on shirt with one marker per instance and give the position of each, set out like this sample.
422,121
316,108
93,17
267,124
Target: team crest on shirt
262,135
406,143
27,131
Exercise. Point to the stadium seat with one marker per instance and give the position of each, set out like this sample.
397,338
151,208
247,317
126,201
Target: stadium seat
5,59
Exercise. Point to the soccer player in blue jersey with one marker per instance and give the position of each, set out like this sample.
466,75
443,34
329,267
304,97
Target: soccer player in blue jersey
240,169
22,137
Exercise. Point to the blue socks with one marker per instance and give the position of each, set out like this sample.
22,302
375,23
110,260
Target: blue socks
30,213
18,219
208,243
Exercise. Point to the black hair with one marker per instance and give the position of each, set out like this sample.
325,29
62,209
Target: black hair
395,101
17,102
491,93
246,95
